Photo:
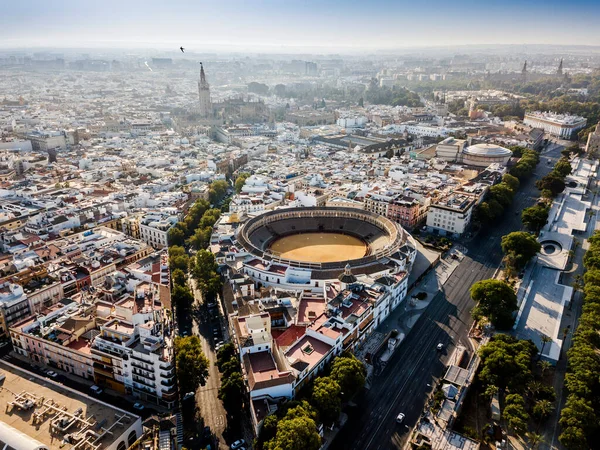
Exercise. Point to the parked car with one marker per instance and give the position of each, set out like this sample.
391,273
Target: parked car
96,390
138,406
189,395
238,444
400,418
440,346
51,374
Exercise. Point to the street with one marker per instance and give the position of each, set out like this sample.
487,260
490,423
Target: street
210,407
403,384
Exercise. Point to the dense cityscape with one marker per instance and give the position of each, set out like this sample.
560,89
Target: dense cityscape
364,250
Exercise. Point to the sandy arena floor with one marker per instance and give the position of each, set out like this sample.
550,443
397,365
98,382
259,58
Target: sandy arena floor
319,247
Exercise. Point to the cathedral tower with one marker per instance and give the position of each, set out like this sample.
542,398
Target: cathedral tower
205,107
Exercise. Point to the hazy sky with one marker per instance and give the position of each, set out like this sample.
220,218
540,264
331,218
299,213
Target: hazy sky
295,24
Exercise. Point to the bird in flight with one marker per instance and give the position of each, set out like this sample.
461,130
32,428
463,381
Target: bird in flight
182,49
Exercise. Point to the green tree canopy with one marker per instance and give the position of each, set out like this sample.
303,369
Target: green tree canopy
190,363
295,431
179,277
507,362
326,399
176,236
240,181
522,245
563,167
496,301
511,181
231,392
515,414
535,217
181,296
552,182
205,272
178,258
350,373
502,193
217,191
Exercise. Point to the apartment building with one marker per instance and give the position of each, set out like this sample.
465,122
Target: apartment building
154,228
125,345
451,215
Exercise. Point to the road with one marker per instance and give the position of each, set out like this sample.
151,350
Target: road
210,407
403,385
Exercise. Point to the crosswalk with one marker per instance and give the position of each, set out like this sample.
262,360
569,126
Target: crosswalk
179,428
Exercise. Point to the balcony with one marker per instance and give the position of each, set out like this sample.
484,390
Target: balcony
140,373
142,366
169,396
143,382
168,374
168,383
167,366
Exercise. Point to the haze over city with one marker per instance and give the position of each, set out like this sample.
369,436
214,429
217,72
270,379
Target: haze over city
286,26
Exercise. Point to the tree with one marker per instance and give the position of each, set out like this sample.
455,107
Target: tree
176,236
190,363
181,296
535,217
502,193
350,373
178,277
511,181
552,182
217,191
563,167
194,215
542,409
295,432
496,301
205,272
534,439
506,362
515,414
546,194
523,245
240,181
178,258
224,354
201,238
545,340
574,438
326,399
579,413
231,392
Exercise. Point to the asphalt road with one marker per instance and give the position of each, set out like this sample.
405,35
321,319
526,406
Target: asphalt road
211,409
403,385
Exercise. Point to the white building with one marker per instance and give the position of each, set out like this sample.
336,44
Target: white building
154,229
561,125
451,215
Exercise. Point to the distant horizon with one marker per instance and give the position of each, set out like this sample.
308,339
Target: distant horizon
268,26
315,51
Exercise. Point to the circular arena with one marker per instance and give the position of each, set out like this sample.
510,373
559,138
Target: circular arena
325,238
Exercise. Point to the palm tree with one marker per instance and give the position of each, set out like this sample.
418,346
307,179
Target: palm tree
543,409
534,439
544,367
545,340
490,391
534,388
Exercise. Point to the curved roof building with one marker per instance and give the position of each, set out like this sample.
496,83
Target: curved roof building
485,154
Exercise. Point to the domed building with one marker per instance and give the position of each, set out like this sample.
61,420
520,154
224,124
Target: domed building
479,155
483,155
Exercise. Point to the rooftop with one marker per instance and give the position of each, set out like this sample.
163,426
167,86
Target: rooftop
45,395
